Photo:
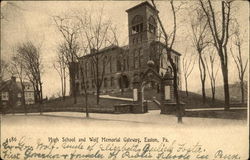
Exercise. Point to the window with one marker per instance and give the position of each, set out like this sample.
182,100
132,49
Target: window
105,82
112,81
124,64
87,84
91,71
93,84
176,62
5,96
140,55
110,65
118,65
19,95
137,24
152,25
18,103
86,71
136,59
82,85
151,28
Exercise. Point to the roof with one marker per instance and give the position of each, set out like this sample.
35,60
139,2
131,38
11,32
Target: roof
25,84
174,51
105,49
9,85
6,85
142,4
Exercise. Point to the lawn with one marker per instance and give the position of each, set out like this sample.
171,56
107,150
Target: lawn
193,101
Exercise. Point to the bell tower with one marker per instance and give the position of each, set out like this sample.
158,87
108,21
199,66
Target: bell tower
142,24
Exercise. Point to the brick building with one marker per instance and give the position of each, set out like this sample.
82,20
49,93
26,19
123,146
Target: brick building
127,62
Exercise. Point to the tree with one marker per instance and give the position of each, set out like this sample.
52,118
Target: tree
69,29
187,68
3,68
16,69
84,80
240,63
219,29
200,42
60,66
97,33
169,42
30,56
212,71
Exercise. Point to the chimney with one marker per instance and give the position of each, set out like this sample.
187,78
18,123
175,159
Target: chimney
13,78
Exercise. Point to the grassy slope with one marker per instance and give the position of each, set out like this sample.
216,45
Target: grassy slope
235,92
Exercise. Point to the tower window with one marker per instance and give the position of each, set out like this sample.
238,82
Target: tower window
152,24
137,24
140,55
151,28
137,28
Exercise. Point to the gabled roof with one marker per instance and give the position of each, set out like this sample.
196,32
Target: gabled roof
9,85
142,4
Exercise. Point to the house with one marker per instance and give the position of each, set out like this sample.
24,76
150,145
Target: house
11,93
130,61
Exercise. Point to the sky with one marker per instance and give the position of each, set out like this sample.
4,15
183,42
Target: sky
32,20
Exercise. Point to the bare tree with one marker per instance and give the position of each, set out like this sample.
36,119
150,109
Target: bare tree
16,69
187,68
98,35
84,70
60,65
240,63
212,69
3,68
70,28
169,42
219,29
200,41
30,56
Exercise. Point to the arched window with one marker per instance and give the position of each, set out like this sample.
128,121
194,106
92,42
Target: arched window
140,55
112,81
152,24
110,64
118,65
93,84
87,64
124,64
105,82
87,84
136,59
137,24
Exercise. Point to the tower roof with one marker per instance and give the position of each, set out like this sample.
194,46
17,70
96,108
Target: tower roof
142,4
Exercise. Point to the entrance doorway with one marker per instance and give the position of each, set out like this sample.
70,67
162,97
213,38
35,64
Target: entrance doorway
150,92
123,82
